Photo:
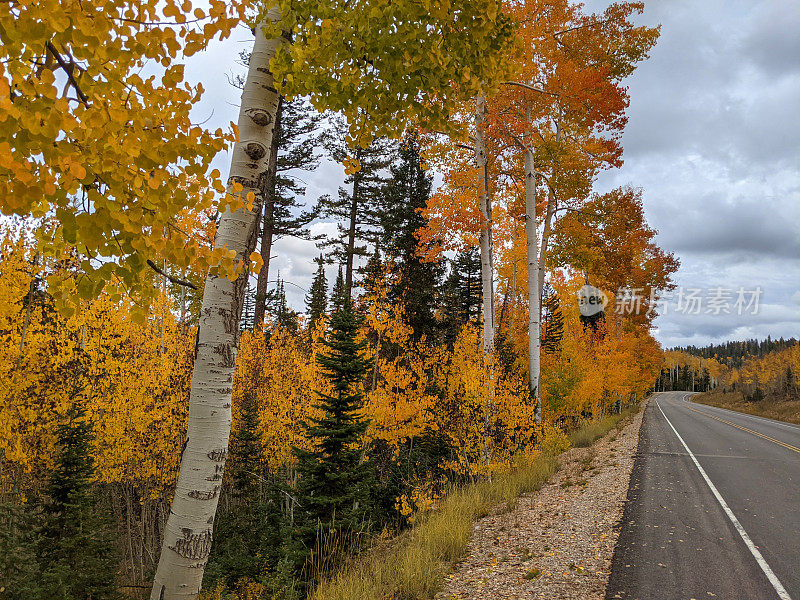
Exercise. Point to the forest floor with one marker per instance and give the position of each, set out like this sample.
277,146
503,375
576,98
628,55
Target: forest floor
557,542
780,410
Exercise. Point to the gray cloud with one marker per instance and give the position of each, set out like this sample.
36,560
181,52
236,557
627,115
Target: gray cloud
713,139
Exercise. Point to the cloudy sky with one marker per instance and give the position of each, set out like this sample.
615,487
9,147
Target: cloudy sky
713,140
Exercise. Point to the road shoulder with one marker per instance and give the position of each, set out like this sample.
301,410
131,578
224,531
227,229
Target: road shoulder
557,542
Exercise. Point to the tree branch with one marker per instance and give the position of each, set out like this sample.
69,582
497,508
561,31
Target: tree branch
68,68
174,280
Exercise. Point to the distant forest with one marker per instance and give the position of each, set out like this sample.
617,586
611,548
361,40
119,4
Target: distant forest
733,354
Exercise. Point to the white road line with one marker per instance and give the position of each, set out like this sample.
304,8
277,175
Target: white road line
782,593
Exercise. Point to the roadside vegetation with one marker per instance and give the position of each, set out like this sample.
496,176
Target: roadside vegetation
172,421
758,378
415,564
780,409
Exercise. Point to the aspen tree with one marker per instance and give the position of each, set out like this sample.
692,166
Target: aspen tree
340,51
188,533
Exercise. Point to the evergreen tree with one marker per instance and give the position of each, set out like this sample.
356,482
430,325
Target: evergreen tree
277,307
247,322
77,555
355,209
293,149
406,192
372,273
333,479
461,294
20,537
317,297
339,291
248,534
552,320
789,385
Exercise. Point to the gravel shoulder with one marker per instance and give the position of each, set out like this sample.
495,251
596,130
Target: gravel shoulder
557,542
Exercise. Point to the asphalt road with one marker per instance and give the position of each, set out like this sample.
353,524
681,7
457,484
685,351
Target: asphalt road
720,519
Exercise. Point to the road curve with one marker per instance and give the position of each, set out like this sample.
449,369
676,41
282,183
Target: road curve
713,507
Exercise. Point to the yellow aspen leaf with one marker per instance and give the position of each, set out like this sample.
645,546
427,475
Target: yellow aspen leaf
256,262
77,170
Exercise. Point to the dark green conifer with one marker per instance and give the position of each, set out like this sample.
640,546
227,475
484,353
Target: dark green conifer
339,292
355,207
247,534
402,198
333,478
20,537
77,554
552,321
461,294
294,149
317,297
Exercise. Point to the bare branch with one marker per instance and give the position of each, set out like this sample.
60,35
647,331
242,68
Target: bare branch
68,68
174,280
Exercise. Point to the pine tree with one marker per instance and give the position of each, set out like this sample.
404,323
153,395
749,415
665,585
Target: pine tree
247,322
20,537
789,383
333,479
339,291
552,321
248,538
408,191
461,294
372,273
293,149
77,554
355,209
317,297
277,307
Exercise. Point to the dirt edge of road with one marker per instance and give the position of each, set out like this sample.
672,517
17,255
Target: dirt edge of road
557,542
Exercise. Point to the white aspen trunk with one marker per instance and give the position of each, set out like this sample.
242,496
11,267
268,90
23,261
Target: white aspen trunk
534,294
486,226
188,532
487,274
548,227
548,221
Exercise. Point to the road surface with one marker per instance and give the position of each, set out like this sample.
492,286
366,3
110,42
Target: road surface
713,508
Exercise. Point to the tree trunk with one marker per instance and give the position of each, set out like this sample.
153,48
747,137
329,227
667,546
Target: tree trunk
268,226
351,232
188,533
487,271
534,294
486,227
548,228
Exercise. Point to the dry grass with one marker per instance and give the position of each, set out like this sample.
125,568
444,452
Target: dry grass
413,565
781,410
591,431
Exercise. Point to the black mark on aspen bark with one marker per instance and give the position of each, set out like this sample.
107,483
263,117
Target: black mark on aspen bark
195,546
260,117
201,495
255,151
219,469
219,454
225,352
